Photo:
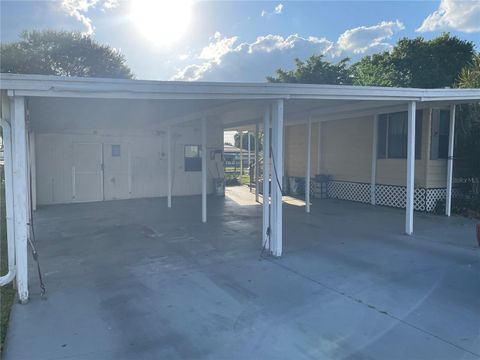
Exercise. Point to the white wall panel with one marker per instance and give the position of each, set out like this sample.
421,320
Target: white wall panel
55,158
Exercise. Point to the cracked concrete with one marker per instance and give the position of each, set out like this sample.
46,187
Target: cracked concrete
135,280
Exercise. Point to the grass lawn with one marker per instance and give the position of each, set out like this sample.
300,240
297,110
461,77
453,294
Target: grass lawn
7,293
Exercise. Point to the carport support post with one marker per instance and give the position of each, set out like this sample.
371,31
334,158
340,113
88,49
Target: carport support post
451,139
241,152
20,191
249,149
33,169
256,162
266,178
169,166
204,169
373,177
277,218
410,168
308,170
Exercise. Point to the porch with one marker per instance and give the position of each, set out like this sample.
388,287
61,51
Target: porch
150,282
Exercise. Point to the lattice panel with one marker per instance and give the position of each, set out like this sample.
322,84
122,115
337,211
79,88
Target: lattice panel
434,195
349,191
387,195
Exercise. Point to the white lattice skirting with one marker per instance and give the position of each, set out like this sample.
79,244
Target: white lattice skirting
388,195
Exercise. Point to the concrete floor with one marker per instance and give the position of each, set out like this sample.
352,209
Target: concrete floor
134,280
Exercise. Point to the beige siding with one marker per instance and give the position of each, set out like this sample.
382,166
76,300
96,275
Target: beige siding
347,149
295,150
346,153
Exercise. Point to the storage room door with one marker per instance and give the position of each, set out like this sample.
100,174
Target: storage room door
87,175
116,161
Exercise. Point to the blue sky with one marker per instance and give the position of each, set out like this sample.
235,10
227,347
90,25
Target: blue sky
241,40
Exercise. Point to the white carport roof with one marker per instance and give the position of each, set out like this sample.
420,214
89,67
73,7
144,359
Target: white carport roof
239,103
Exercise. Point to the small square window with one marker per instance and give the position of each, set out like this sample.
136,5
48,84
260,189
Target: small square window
115,150
193,158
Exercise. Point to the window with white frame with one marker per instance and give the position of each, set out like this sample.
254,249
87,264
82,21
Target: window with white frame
393,135
440,134
193,158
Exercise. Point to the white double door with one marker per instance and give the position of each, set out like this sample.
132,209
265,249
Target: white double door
101,171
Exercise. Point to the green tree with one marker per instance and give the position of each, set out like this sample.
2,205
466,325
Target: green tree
314,71
63,53
416,63
236,138
467,148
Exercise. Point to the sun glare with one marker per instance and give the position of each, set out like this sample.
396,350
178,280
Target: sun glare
162,22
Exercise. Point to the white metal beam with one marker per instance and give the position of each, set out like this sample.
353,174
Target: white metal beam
410,168
33,169
373,177
319,148
451,139
249,159
256,162
204,169
169,166
20,190
266,179
241,153
277,219
308,167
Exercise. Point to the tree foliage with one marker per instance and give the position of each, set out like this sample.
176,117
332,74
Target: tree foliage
468,124
62,53
244,146
416,63
315,70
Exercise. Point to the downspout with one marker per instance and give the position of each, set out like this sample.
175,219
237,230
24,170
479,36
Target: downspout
7,144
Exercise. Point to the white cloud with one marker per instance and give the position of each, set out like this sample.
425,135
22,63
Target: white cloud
277,10
454,15
224,59
364,38
79,8
227,59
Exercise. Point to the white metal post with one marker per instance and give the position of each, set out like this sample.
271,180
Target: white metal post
33,169
277,221
20,191
266,178
169,166
204,169
256,162
373,178
274,178
241,153
319,148
7,150
249,149
308,170
451,139
410,168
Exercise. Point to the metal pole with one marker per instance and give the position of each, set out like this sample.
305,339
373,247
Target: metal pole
241,153
451,139
204,169
308,172
266,178
256,162
410,168
373,177
20,191
249,149
169,166
277,200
